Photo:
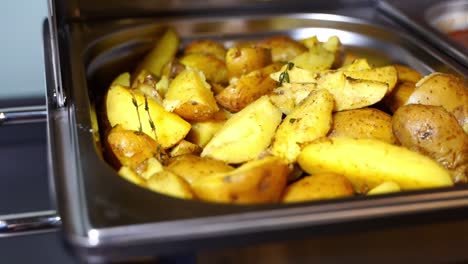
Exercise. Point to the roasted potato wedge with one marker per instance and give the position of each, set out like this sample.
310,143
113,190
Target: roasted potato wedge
123,80
444,90
289,73
162,53
387,74
134,111
192,168
370,162
312,119
246,134
131,176
168,183
363,123
290,95
318,187
384,188
283,48
242,60
351,93
131,147
185,147
315,59
432,131
407,74
213,68
247,88
356,65
259,181
206,46
190,96
399,96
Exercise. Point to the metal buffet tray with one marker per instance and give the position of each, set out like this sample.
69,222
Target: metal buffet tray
431,19
107,218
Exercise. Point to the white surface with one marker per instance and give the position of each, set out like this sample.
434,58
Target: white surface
21,49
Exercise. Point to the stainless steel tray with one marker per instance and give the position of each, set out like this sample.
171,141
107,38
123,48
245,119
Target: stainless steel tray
421,17
107,218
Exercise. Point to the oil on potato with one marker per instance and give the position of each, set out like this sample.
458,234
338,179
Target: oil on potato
259,181
134,111
310,120
318,187
434,132
370,162
246,134
363,123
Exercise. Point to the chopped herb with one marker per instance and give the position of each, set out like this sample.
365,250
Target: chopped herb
292,120
284,76
290,65
135,103
146,104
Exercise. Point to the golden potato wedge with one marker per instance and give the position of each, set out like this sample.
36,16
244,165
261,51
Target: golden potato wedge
192,168
259,181
315,59
370,162
134,111
123,80
363,123
248,88
432,131
146,84
190,96
283,48
172,68
206,46
384,188
292,74
131,176
387,74
350,93
213,68
131,147
318,187
407,74
356,65
312,119
399,96
246,134
149,167
444,90
290,95
240,61
168,183
202,132
162,53
185,147
310,42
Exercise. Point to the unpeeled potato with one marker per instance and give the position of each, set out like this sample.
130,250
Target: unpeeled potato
206,46
318,187
283,48
434,132
363,123
242,60
259,181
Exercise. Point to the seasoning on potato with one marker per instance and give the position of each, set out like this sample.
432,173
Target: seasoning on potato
280,120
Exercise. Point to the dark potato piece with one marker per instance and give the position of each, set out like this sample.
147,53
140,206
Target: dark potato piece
434,132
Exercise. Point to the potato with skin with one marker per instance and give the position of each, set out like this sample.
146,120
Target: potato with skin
185,147
213,68
432,131
190,96
444,90
247,88
206,46
258,181
399,96
310,120
363,123
163,52
192,168
283,48
131,147
407,74
318,187
290,95
166,182
246,134
315,59
134,111
242,60
370,162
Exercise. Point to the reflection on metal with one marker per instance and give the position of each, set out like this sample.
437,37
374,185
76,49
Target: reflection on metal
23,115
27,223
